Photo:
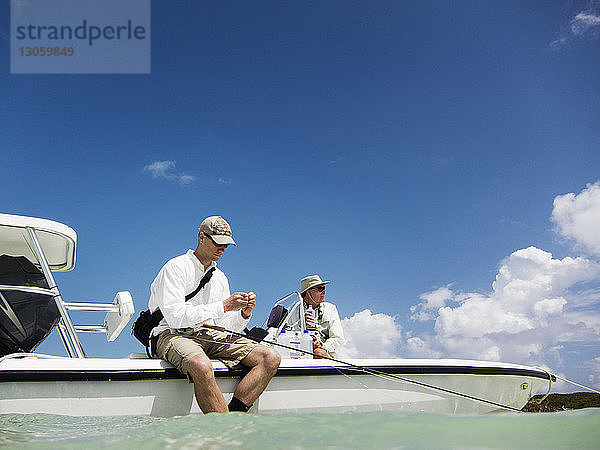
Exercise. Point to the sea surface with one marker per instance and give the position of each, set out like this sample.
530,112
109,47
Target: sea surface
378,430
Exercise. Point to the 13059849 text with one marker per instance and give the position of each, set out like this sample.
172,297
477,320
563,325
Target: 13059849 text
46,51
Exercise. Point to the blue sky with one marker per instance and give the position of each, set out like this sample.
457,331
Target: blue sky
404,150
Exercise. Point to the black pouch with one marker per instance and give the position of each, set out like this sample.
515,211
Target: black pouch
144,324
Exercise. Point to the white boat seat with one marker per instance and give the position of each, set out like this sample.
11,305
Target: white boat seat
119,313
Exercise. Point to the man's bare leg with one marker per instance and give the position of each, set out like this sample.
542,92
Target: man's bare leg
263,363
207,392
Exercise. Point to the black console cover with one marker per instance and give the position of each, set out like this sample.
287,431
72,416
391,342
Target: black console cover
25,319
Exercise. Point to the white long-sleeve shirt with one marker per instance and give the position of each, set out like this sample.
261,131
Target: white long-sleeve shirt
179,277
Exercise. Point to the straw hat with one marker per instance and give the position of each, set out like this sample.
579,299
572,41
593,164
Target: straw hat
310,282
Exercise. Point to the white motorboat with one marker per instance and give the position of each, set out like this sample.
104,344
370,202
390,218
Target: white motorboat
31,307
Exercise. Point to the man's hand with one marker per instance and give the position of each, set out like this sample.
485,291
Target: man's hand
249,308
235,301
319,351
241,300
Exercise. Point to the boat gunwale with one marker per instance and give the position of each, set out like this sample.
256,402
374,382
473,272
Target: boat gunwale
167,373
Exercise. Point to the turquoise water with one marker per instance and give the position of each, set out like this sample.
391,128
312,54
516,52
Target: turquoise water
569,429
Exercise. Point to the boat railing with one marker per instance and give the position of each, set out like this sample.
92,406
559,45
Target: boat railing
119,312
294,319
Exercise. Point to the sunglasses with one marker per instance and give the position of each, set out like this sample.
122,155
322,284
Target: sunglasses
215,244
319,288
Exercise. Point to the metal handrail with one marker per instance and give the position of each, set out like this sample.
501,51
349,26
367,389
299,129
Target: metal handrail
107,307
281,300
118,313
91,328
66,320
30,289
72,306
298,304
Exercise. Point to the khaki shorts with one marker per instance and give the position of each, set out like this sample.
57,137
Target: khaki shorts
179,347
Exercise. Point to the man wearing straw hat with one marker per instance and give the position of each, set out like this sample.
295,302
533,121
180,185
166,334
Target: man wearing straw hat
192,292
330,336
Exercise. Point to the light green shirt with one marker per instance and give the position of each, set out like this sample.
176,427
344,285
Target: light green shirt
329,326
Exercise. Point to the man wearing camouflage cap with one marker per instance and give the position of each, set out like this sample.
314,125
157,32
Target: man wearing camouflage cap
191,291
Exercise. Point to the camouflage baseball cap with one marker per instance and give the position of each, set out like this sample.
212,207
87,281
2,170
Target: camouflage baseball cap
218,229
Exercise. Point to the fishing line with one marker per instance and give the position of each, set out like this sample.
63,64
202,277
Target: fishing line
211,341
379,373
352,379
578,385
339,369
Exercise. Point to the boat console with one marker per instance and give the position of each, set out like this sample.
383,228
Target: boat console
286,326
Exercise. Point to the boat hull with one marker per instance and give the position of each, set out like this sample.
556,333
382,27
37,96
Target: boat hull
144,387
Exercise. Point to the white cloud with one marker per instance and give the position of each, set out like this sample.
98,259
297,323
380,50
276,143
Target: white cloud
532,309
432,302
159,169
185,179
594,368
417,347
541,310
165,169
370,335
585,22
577,217
584,25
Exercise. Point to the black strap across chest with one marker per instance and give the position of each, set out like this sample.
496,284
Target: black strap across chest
205,279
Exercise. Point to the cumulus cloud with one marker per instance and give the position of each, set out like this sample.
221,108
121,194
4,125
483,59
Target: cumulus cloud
531,309
166,170
421,347
539,308
431,303
593,366
577,217
584,25
370,335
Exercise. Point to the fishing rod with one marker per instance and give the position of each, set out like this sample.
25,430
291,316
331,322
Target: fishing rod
367,370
